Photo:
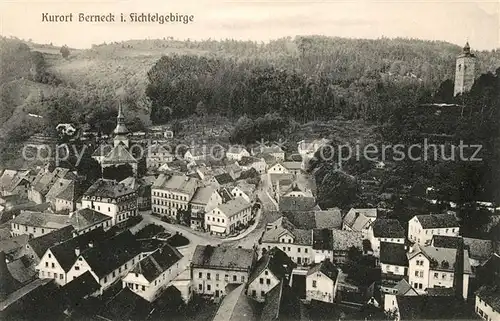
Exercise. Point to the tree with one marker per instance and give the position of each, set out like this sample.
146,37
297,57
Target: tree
118,172
64,51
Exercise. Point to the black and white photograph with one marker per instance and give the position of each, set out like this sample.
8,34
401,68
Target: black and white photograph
248,160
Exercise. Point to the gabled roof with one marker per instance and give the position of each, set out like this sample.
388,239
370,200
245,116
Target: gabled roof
108,188
441,259
403,287
237,306
423,307
13,243
202,195
64,252
478,249
42,243
222,257
387,228
331,218
437,221
276,261
158,262
80,287
491,295
236,149
40,219
297,203
178,183
327,268
343,240
281,304
292,165
225,194
445,241
359,218
322,239
119,154
248,160
70,193
224,178
87,217
22,269
301,236
107,255
158,149
234,207
393,254
127,305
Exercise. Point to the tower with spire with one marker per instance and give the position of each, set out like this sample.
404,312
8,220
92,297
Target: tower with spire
465,71
121,132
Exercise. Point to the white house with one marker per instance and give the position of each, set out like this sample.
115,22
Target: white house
257,163
157,155
238,192
321,282
219,196
277,168
237,153
293,167
488,302
274,150
322,245
37,224
227,217
271,269
113,199
213,268
421,228
171,193
153,274
393,260
385,230
432,267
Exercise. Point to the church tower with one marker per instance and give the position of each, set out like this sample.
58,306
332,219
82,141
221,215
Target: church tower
121,132
465,71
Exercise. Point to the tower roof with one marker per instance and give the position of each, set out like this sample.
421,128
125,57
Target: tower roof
466,51
120,129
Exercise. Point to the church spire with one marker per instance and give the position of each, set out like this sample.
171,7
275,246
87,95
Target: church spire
120,129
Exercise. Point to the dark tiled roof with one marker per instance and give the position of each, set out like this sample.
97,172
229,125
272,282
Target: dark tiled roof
222,257
393,254
388,228
237,306
158,262
64,252
281,304
440,291
40,219
437,221
41,244
327,268
444,241
288,204
22,270
225,194
87,217
7,281
491,295
224,178
80,287
276,261
322,239
424,307
111,253
127,305
14,243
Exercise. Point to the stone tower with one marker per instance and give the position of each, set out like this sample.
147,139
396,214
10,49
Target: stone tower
465,71
121,132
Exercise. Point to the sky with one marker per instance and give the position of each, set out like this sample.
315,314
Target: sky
476,21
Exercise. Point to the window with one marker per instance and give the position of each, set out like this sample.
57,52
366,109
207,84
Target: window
49,274
47,264
436,275
242,278
234,278
254,293
268,281
77,268
61,276
305,250
105,279
143,288
314,284
298,250
444,276
261,281
208,276
421,274
262,293
266,272
217,277
416,273
53,265
209,287
200,287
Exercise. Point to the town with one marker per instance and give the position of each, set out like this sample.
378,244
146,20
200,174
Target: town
213,231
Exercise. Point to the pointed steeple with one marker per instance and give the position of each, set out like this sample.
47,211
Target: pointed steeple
120,129
467,48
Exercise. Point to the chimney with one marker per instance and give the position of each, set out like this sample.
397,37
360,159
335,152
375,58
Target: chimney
458,278
77,251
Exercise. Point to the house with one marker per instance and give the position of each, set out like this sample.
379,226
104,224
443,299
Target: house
322,245
228,217
237,153
422,307
237,306
234,170
108,260
58,259
432,267
390,290
282,303
421,228
393,260
199,204
246,191
293,167
67,199
197,153
259,164
479,250
272,268
487,303
359,219
321,282
126,305
157,156
143,187
221,180
116,200
213,268
277,168
44,180
13,182
13,247
171,193
296,243
330,218
307,148
385,230
274,151
36,247
151,275
219,196
87,219
37,223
